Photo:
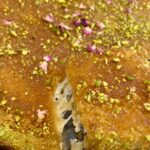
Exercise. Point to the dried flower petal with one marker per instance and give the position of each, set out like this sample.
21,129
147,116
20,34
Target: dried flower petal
47,58
44,66
77,22
87,31
81,6
101,25
84,22
91,48
41,114
109,2
62,26
100,51
49,18
76,14
7,22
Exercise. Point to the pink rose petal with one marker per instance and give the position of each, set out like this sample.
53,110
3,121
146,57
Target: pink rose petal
47,58
87,31
49,18
109,2
76,14
100,51
101,25
7,22
81,6
44,66
128,10
63,26
84,22
91,48
41,114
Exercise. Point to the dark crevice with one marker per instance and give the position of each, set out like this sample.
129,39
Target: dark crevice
4,147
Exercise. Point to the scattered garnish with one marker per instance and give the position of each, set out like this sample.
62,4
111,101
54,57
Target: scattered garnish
116,60
77,22
44,66
91,48
101,25
100,51
84,22
147,82
147,106
7,22
41,115
81,6
130,77
102,97
87,31
3,102
47,58
13,33
98,83
109,2
49,18
63,27
17,118
147,138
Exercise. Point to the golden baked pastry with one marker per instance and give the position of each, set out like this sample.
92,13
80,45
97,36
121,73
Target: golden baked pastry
74,75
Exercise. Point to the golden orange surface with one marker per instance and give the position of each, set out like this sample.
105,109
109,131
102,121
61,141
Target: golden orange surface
111,86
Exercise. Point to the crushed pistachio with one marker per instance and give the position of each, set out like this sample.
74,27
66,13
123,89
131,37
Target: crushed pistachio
99,135
147,82
13,33
119,67
47,83
13,98
104,83
102,97
2,53
88,97
3,102
17,118
114,101
117,110
61,1
116,60
130,77
128,97
98,83
24,51
79,86
147,106
147,137
10,52
84,84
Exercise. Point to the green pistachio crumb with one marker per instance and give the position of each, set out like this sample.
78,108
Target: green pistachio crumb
84,84
61,1
98,83
130,77
102,97
17,118
147,137
116,60
47,83
3,102
13,33
147,82
88,97
147,106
